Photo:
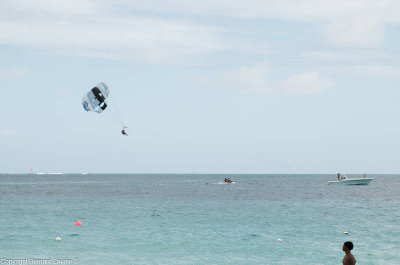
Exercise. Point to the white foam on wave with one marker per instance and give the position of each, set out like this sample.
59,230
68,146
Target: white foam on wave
51,173
58,182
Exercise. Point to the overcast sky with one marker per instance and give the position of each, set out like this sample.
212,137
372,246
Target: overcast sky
206,86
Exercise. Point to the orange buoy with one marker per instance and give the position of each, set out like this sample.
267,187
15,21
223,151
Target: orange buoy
78,223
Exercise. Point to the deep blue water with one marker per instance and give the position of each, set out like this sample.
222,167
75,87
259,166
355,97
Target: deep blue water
195,219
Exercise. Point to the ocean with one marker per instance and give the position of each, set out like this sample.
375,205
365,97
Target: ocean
196,219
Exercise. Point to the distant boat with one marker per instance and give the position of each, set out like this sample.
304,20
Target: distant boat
356,181
351,181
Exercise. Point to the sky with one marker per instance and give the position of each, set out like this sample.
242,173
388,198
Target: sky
207,86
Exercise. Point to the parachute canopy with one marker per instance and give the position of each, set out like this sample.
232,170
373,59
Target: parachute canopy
96,98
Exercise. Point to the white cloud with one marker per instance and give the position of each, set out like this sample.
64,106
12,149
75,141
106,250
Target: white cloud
306,83
347,55
42,8
379,71
13,72
98,28
291,10
342,22
7,133
257,79
363,63
371,71
131,39
357,30
246,78
94,31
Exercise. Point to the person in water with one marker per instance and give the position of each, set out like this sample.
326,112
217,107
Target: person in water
123,132
348,259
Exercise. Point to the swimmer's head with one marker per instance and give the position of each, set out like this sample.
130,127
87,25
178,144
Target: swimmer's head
348,245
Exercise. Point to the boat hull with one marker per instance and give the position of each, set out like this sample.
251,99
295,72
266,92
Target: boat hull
358,181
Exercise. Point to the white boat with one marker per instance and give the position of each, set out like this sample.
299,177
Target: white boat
348,181
355,181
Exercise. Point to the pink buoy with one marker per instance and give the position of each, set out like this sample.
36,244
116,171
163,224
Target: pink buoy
78,223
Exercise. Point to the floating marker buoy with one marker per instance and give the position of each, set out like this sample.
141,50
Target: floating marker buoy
58,238
78,223
346,233
279,240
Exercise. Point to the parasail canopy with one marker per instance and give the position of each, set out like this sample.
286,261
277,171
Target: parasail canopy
96,98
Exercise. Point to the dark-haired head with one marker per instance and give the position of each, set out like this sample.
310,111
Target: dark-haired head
348,245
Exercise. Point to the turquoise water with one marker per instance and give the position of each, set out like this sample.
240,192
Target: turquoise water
195,219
